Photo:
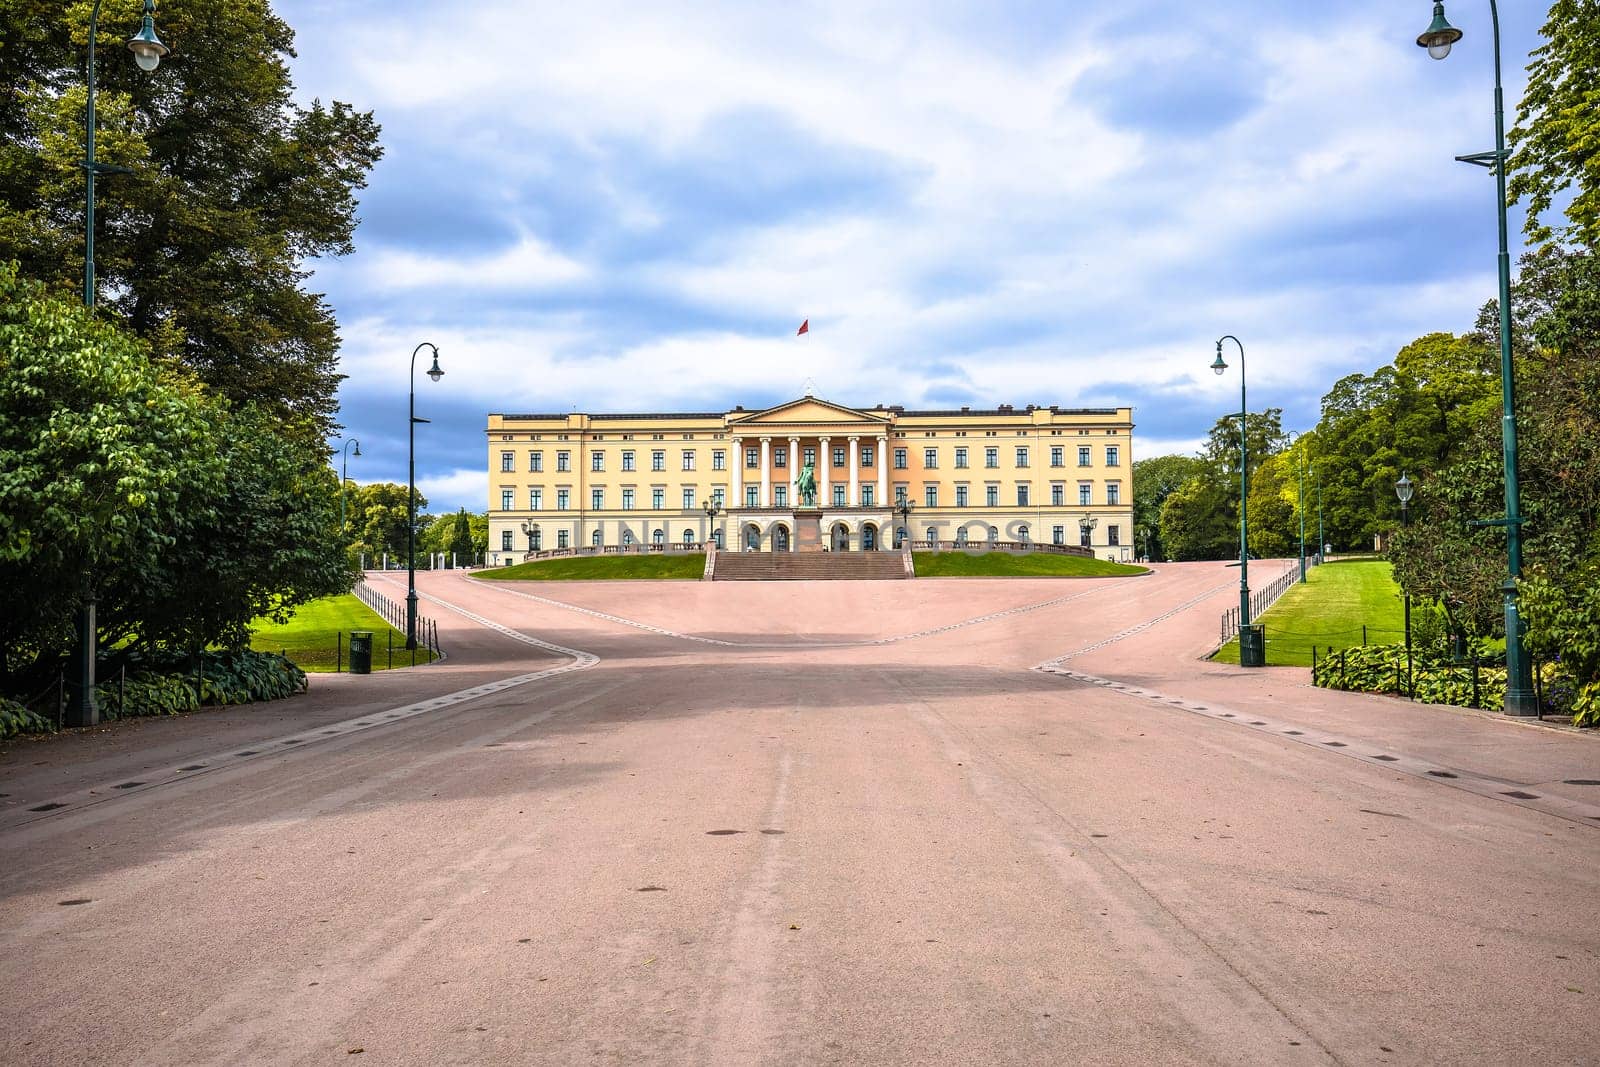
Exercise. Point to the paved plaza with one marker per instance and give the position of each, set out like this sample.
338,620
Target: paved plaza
938,821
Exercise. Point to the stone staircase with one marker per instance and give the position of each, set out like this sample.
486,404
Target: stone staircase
807,566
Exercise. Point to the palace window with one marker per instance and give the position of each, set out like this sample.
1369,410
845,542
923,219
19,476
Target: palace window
752,458
1113,454
1022,534
1057,454
809,457
505,540
1058,496
627,460
838,496
627,538
563,499
716,498
1058,535
688,537
867,494
780,496
866,456
1022,496
1083,455
536,462
899,459
961,458
1113,493
961,536
535,499
658,460
899,495
597,539
1022,456
961,496
688,499
991,457
1085,493
930,458
563,539
991,495
838,457
658,499
597,499
688,460
1084,533
1113,534
659,537
780,457
505,499
597,461
627,500
563,461
752,496
930,496
508,462
719,460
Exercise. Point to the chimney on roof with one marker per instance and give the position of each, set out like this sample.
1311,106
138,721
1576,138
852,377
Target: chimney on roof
965,409
1004,407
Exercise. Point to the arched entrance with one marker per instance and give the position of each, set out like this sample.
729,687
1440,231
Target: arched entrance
752,538
869,538
780,538
841,538
716,539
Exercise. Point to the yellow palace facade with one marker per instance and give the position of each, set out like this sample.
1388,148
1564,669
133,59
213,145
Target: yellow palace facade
877,476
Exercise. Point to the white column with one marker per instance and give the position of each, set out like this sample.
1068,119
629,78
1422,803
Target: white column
794,471
766,472
883,471
824,490
736,476
855,472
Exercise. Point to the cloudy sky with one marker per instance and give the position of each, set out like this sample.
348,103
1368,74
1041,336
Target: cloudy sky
608,207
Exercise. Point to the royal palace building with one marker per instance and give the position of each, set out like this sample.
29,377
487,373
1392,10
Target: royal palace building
811,474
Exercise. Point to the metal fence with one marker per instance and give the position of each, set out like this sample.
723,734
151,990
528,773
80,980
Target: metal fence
1263,598
395,615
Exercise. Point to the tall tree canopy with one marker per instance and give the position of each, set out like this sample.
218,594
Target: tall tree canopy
1556,141
200,250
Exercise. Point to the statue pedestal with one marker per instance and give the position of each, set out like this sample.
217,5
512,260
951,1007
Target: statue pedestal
808,530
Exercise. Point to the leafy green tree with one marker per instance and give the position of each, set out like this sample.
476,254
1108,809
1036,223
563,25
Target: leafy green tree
1154,479
1556,141
234,186
461,537
102,456
377,516
1200,520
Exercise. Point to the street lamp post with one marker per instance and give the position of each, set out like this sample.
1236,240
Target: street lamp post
904,511
1244,481
411,492
530,530
1086,525
1403,489
1300,466
344,475
1520,697
1322,540
147,52
711,510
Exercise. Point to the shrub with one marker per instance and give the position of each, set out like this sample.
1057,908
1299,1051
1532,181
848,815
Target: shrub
17,719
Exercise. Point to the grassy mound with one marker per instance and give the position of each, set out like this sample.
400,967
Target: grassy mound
312,636
688,567
1329,608
1022,565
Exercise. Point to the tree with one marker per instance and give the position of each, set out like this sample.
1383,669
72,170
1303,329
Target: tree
377,516
1200,520
234,186
102,455
1556,141
1154,479
461,538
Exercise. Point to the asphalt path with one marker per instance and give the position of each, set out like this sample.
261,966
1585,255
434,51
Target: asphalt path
940,821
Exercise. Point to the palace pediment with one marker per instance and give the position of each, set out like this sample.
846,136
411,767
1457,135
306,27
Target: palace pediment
806,411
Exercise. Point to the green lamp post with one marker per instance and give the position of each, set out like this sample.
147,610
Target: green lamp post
1520,697
344,476
147,52
1219,366
411,493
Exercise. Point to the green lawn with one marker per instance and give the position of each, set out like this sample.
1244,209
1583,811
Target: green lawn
1329,608
1020,565
311,636
686,567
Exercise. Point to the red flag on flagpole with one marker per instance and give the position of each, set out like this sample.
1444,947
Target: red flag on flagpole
805,327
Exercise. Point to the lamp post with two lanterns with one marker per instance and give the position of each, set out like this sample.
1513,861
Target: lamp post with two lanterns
411,489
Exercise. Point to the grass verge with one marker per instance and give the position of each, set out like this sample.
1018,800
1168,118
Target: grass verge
1330,608
1018,565
311,637
602,568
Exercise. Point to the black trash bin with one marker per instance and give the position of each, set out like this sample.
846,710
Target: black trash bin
1252,646
360,651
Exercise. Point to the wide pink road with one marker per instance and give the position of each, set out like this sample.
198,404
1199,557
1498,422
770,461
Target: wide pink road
950,821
